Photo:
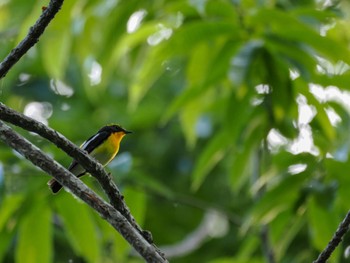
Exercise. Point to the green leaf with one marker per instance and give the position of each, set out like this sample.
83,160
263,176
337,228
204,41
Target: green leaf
80,227
183,41
287,191
240,165
278,22
210,156
295,224
295,54
198,64
189,116
321,117
6,239
136,200
338,80
55,53
56,43
322,224
35,233
9,206
243,60
247,139
185,97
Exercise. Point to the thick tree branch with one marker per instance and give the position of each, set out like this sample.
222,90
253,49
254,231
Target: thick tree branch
93,167
77,187
336,239
32,37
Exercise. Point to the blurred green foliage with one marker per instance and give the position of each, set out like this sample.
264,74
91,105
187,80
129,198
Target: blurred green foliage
240,112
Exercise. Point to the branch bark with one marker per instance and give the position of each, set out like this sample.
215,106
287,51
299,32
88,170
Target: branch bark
78,188
32,37
343,228
94,168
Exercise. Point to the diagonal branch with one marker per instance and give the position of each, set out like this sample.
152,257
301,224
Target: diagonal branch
32,37
336,239
93,167
106,211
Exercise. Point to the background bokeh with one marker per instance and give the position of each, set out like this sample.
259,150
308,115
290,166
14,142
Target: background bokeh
240,113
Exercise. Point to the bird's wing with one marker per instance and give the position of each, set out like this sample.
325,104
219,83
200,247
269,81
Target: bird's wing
89,145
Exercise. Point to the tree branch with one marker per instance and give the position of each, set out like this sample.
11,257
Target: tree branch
78,188
32,37
93,167
336,239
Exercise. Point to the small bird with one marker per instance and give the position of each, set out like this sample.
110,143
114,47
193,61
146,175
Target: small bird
103,146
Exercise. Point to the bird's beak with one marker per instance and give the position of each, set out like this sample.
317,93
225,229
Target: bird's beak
127,132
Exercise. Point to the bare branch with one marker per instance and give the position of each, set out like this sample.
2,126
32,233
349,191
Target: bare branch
335,241
77,187
32,37
93,167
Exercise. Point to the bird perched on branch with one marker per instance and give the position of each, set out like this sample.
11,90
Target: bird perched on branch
103,146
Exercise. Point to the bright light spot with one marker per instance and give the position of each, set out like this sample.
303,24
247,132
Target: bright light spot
105,7
326,67
275,140
304,142
262,89
347,252
306,112
217,224
176,20
24,77
342,153
333,117
204,127
60,88
40,111
199,5
297,168
135,20
65,106
163,33
78,24
256,101
294,74
4,2
95,73
331,93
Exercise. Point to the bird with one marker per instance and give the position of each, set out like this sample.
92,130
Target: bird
103,146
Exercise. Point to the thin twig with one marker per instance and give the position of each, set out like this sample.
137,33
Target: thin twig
78,188
32,37
266,244
335,241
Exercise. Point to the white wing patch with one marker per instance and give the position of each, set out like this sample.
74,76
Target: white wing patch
86,143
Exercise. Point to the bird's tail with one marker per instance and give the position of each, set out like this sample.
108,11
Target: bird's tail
54,186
